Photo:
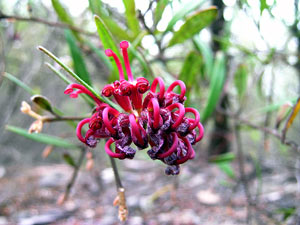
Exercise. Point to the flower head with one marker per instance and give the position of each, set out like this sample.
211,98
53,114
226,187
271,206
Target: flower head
158,121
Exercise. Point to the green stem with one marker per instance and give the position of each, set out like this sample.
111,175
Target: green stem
116,173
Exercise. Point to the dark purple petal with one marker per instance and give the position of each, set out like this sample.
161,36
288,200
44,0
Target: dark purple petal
91,141
183,128
172,170
170,160
129,151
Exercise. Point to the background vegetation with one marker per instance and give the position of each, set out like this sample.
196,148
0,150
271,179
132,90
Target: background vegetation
240,62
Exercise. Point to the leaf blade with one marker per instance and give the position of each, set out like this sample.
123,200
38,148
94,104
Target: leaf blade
160,8
185,9
78,60
194,25
19,83
216,86
240,80
42,138
130,13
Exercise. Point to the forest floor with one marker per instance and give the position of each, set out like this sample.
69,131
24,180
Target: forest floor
201,194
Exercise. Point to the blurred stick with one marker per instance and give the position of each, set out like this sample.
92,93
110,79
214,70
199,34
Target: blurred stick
69,186
268,130
13,18
241,163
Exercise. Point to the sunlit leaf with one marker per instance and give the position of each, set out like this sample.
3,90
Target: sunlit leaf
78,60
42,138
130,12
194,25
263,6
184,10
64,16
290,120
216,86
240,80
20,83
161,5
96,6
69,159
116,30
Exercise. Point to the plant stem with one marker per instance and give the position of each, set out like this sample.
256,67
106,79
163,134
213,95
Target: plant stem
116,173
57,119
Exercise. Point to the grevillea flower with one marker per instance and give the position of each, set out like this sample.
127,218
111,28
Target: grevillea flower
156,121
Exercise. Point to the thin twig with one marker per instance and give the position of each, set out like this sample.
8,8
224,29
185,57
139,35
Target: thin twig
58,119
268,130
74,176
13,18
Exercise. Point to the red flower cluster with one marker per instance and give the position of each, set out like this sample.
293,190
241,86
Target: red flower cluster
157,120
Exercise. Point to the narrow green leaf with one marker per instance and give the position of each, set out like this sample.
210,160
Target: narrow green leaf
161,5
227,169
216,86
69,159
194,25
259,86
78,60
96,6
273,107
66,68
64,16
67,81
184,10
226,157
42,102
108,43
116,30
59,74
42,138
240,80
189,70
20,83
130,12
207,54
